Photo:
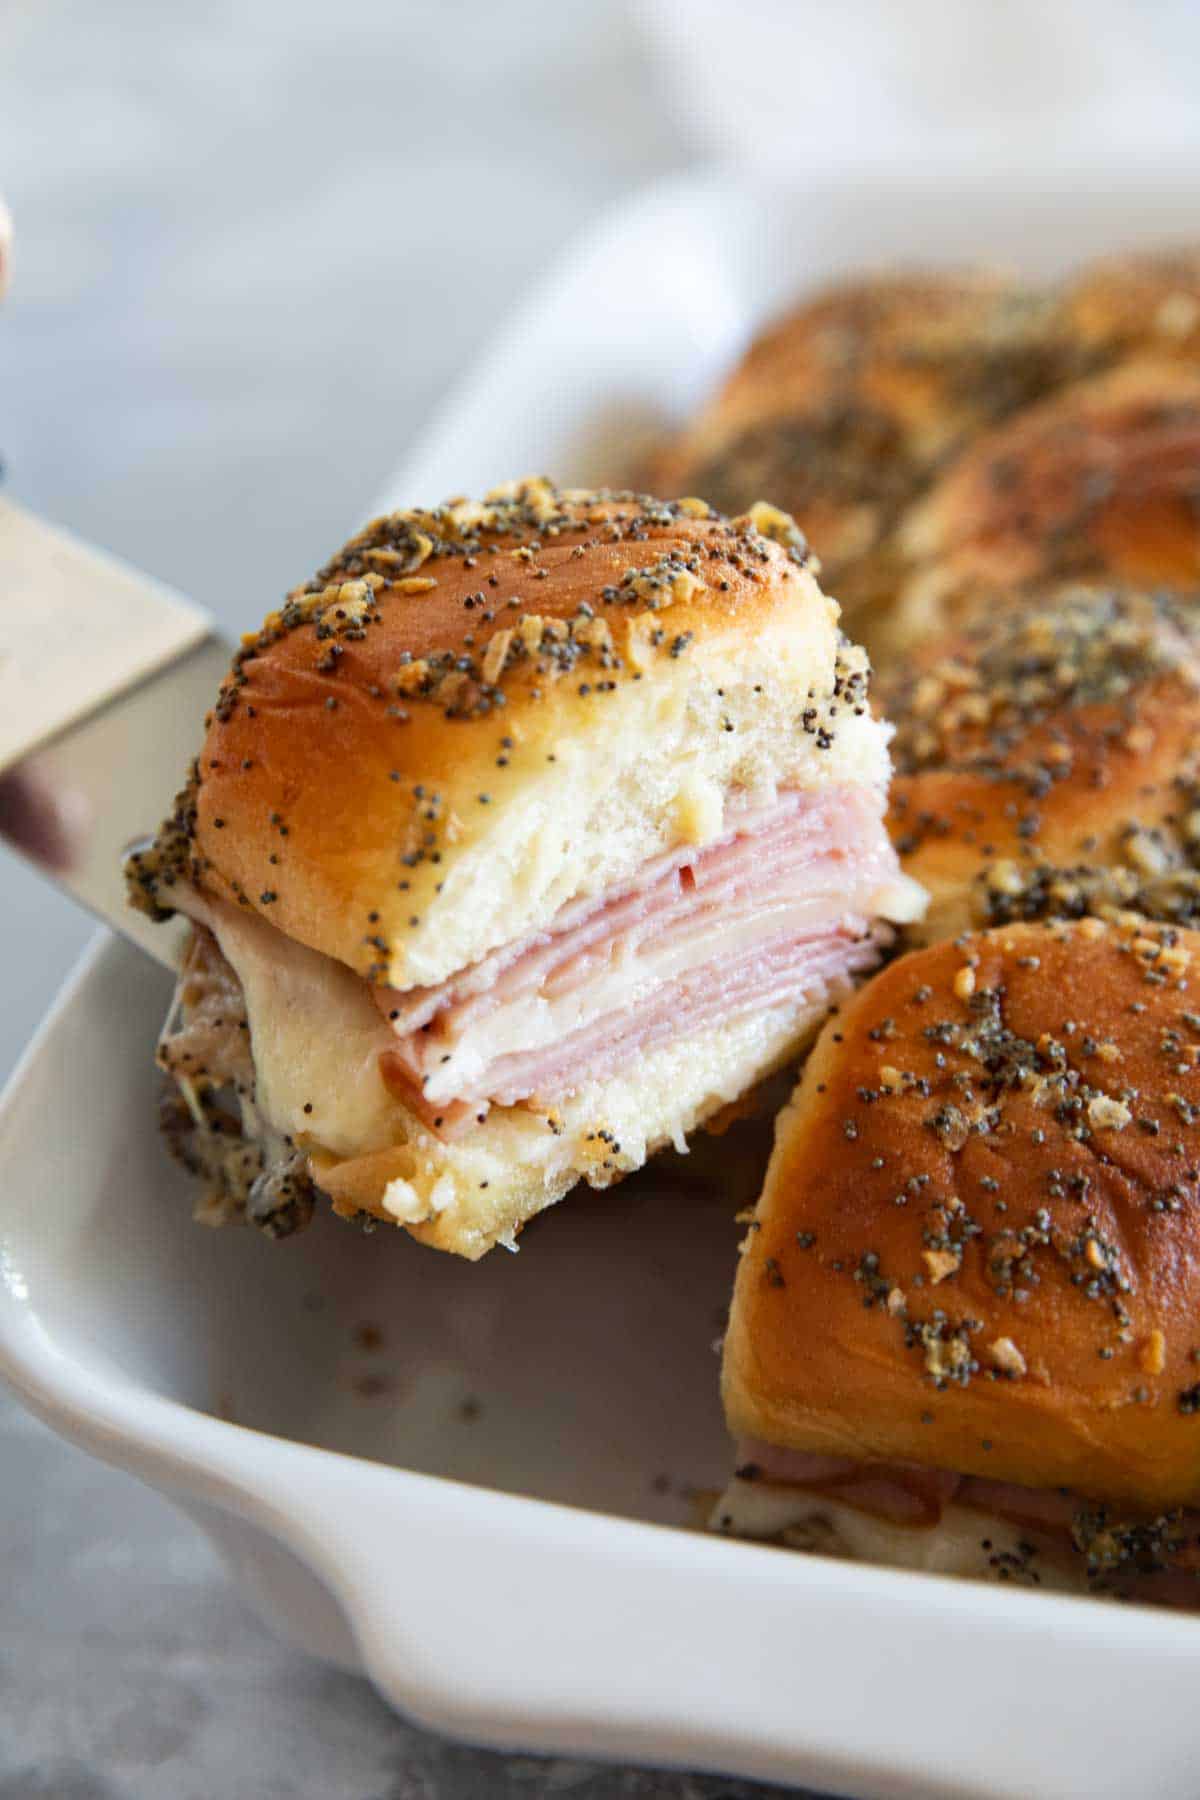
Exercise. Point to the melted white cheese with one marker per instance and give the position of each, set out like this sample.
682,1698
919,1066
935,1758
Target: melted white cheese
315,1032
964,1542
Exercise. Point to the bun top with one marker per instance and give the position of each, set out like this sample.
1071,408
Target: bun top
1048,762
977,1246
840,409
928,348
473,712
1148,302
1096,483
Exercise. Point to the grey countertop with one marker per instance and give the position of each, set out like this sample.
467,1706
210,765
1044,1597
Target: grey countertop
255,243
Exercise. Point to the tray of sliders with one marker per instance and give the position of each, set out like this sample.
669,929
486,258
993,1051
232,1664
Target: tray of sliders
685,1011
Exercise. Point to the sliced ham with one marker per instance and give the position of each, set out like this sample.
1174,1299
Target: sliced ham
780,909
906,1494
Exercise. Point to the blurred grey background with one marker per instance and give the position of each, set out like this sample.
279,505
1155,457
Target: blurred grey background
256,243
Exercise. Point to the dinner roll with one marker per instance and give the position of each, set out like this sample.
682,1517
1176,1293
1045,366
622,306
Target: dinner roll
525,838
976,1250
1140,302
841,410
1048,762
1100,482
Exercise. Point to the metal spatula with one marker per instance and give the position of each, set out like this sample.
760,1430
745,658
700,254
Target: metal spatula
105,677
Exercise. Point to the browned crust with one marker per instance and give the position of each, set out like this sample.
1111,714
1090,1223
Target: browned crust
841,409
1100,482
1148,301
977,1248
1048,761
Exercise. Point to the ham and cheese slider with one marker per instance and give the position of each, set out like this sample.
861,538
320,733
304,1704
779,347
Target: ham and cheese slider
527,836
965,1334
1137,303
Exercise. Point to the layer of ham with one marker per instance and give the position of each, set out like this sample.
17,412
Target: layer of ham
780,907
906,1494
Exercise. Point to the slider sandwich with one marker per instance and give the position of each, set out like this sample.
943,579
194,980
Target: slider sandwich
1048,761
527,836
965,1334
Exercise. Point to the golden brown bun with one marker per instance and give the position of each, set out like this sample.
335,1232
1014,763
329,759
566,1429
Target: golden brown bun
1100,482
474,713
977,1248
840,410
1048,762
1129,305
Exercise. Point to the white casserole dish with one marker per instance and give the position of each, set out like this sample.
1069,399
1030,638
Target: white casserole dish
476,1510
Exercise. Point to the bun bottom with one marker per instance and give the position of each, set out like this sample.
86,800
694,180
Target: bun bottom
299,1040
471,1195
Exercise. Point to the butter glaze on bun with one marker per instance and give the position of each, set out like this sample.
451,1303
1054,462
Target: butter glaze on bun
977,1247
1048,762
1099,483
493,825
843,409
472,713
